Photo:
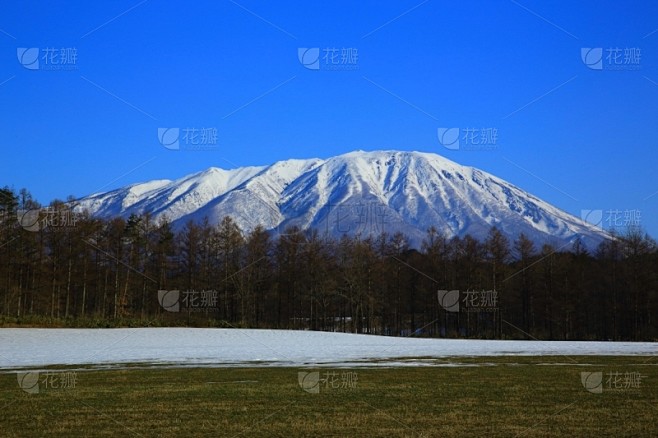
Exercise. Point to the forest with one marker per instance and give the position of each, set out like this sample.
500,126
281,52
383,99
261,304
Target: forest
65,268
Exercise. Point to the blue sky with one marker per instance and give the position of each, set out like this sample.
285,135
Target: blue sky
578,136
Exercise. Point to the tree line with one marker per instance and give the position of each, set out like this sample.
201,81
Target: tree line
63,265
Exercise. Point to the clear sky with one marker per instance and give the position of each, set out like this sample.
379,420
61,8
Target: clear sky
109,74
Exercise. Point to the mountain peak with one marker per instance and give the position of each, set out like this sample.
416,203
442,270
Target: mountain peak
360,192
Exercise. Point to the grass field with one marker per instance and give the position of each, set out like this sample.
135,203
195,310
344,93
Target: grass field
501,396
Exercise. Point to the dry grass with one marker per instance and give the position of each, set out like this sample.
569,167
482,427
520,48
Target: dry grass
526,399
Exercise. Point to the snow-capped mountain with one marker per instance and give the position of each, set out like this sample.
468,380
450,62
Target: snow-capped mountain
359,192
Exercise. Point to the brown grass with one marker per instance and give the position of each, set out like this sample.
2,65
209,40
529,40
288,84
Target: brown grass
506,400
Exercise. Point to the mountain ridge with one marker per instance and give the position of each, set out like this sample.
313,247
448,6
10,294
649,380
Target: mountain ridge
355,193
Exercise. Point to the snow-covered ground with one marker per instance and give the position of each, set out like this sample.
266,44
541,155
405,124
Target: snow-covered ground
33,348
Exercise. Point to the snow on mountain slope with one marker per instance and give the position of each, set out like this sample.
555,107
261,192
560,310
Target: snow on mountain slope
175,199
255,201
356,193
